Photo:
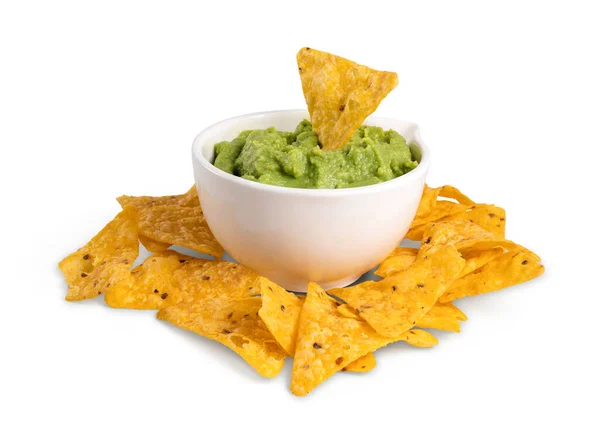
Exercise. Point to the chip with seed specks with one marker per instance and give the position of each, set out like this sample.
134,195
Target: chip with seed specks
280,311
340,94
395,304
184,226
150,286
108,255
200,279
511,268
327,341
234,323
399,260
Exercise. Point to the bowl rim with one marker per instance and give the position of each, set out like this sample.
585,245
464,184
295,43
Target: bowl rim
402,180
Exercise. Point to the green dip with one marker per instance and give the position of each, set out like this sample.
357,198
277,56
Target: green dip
294,159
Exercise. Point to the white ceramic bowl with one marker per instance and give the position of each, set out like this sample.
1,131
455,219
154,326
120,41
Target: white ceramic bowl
293,236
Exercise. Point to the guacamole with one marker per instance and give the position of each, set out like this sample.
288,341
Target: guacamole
294,159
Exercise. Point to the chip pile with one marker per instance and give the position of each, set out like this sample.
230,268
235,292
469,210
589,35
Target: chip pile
463,252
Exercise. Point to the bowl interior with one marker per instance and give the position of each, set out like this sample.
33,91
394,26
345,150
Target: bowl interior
286,120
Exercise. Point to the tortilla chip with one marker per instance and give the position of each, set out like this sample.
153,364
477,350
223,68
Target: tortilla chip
364,364
418,338
475,259
395,304
399,260
348,311
189,199
511,268
328,341
184,226
280,311
109,254
467,237
448,191
150,286
428,201
235,324
152,245
200,279
488,216
442,317
443,209
340,94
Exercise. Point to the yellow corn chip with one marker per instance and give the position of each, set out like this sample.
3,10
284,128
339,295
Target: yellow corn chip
418,338
511,268
395,304
235,324
449,191
202,279
90,270
184,226
442,317
362,365
340,94
149,286
477,258
280,311
488,216
328,341
400,260
442,209
428,202
467,237
189,199
153,246
348,311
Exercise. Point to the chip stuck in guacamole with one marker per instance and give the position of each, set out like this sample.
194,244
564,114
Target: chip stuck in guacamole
295,159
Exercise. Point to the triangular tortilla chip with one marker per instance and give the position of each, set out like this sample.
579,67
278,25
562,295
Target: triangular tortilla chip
184,226
328,341
151,285
280,311
235,324
340,94
108,255
511,268
395,304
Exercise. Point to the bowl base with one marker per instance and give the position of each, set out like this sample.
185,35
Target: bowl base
303,286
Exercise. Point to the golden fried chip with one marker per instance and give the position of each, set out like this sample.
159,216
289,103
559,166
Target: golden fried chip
475,259
328,341
442,209
149,286
281,311
340,94
152,245
511,268
418,338
488,216
467,237
395,304
184,226
189,199
428,201
203,279
348,311
364,364
449,191
442,317
109,254
234,323
399,260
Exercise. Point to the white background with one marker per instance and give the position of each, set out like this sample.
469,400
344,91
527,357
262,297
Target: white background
99,99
